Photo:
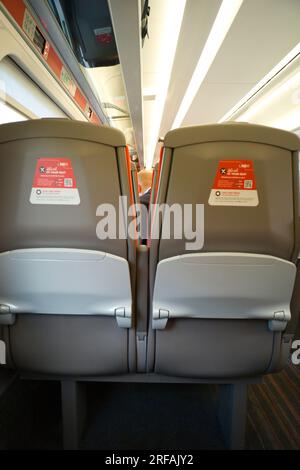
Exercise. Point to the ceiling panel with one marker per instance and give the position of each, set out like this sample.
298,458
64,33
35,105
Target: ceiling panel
158,55
212,102
197,22
262,34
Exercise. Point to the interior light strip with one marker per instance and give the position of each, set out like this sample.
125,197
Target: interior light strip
224,19
169,40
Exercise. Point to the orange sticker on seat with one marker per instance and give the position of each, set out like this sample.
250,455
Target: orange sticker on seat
54,183
235,184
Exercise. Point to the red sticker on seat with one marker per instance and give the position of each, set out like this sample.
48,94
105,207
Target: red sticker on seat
54,182
234,184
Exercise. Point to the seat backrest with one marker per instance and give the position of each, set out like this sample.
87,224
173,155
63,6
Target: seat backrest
155,182
95,159
135,184
63,177
193,159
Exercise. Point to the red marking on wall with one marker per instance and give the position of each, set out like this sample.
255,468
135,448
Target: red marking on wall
16,8
80,99
54,63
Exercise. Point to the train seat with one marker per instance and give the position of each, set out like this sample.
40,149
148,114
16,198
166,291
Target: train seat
66,294
221,309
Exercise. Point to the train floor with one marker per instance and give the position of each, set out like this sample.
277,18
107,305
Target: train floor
151,416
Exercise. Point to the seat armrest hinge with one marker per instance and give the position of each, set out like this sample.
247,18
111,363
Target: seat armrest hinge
123,320
279,322
160,320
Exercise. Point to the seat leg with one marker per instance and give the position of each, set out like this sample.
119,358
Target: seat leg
73,397
7,378
232,414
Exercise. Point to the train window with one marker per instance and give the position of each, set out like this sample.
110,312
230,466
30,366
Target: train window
9,114
24,95
278,103
275,100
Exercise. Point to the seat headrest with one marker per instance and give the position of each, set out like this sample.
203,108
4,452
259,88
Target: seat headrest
232,131
61,128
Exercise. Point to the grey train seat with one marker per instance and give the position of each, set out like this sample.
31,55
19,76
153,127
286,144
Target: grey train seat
155,181
66,294
134,179
222,311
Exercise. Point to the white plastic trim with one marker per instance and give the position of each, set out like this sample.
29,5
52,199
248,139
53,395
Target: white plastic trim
224,286
65,282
